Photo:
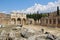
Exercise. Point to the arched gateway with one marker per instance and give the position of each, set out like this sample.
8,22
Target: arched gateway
18,18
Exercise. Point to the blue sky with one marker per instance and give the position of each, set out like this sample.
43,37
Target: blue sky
9,5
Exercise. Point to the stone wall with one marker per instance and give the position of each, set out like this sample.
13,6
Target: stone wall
52,21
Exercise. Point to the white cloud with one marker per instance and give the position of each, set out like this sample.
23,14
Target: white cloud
51,6
2,11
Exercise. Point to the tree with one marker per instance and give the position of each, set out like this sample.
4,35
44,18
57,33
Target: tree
36,16
29,15
44,15
58,10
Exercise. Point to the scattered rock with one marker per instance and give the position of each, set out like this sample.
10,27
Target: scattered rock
42,30
37,37
12,34
50,36
27,32
3,33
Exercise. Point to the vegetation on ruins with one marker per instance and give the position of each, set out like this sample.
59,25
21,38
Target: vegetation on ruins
36,16
58,10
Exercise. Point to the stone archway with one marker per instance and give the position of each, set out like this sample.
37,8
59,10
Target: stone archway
18,20
13,21
24,21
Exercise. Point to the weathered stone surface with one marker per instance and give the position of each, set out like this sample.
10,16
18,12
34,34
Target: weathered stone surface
37,37
50,36
23,39
27,32
3,33
12,34
57,38
42,37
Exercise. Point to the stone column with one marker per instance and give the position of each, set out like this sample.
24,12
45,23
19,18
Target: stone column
52,21
56,21
48,22
45,22
42,21
16,21
22,21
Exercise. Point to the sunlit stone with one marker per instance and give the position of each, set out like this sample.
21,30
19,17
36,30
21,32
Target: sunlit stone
12,34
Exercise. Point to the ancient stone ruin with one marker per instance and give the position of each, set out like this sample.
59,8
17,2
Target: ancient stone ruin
27,34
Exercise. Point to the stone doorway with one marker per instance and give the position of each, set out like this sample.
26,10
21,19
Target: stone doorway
24,21
13,21
19,21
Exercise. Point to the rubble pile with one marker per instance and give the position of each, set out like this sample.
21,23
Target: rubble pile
27,34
